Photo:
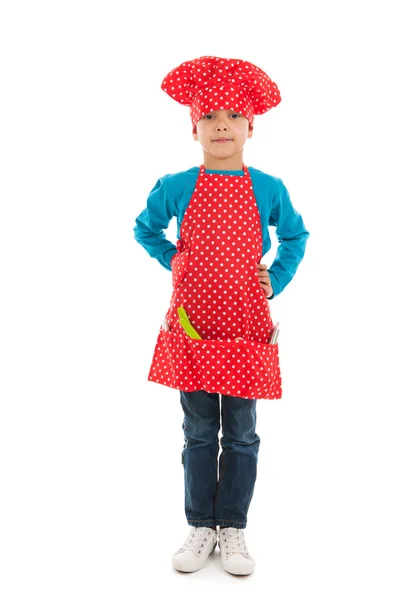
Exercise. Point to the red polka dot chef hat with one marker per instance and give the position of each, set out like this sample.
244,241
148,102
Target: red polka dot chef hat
210,83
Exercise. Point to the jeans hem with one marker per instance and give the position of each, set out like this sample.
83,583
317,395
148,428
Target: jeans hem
202,522
230,523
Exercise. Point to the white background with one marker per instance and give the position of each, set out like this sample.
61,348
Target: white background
92,484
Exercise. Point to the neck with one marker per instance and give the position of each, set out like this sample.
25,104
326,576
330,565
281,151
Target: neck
233,163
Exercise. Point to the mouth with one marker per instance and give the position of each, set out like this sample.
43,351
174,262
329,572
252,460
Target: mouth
222,140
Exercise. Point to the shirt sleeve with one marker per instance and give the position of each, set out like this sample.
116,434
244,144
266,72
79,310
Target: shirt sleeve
292,237
154,219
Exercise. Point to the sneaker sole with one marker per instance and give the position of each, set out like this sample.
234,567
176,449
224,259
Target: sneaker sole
238,571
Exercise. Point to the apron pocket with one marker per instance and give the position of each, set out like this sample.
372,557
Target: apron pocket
242,368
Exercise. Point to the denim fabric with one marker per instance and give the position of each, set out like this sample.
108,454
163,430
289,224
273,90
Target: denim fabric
218,493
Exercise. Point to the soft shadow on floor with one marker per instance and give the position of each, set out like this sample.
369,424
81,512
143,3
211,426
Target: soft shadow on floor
213,568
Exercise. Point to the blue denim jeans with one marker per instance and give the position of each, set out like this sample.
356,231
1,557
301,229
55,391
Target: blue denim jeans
218,493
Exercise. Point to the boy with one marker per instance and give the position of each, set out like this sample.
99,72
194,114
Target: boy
216,343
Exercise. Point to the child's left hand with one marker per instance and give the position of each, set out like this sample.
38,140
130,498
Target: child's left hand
265,281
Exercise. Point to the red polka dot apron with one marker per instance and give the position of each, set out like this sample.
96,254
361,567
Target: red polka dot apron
214,276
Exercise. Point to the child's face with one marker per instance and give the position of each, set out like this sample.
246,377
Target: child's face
222,133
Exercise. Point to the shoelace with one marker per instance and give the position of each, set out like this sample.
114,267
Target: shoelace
234,541
197,539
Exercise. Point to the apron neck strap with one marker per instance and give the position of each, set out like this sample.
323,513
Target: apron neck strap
244,169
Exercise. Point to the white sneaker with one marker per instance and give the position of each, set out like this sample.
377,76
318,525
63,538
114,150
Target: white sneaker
234,555
199,544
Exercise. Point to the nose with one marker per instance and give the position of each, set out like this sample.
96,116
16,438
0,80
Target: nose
221,124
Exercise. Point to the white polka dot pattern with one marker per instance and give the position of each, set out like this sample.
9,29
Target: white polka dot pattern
244,368
215,279
211,83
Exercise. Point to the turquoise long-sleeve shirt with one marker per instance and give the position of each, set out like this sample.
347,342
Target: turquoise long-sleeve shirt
170,198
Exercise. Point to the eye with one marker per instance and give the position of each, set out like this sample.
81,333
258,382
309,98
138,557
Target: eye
208,117
235,115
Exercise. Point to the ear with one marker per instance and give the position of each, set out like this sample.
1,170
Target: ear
250,132
195,136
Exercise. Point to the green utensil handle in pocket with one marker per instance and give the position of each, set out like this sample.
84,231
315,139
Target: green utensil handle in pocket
186,324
